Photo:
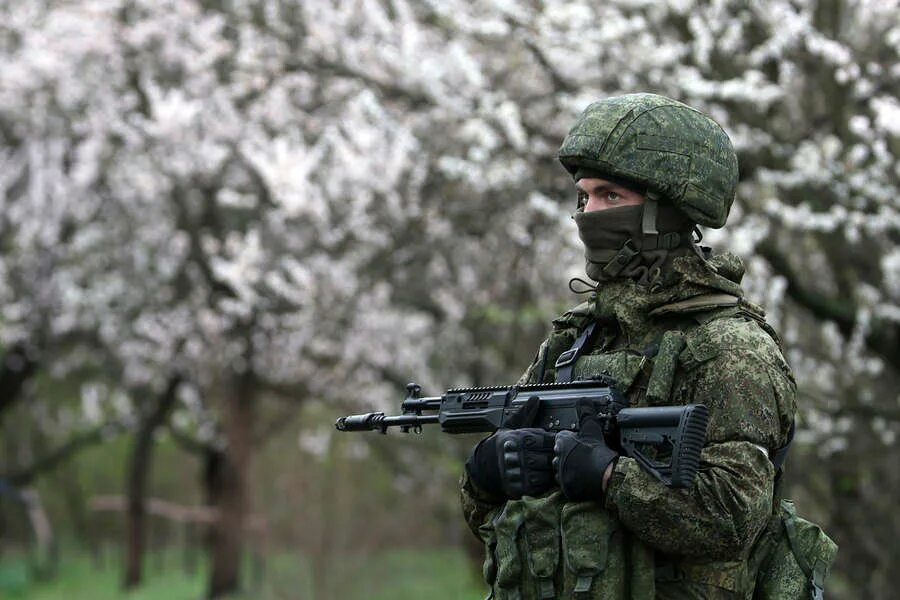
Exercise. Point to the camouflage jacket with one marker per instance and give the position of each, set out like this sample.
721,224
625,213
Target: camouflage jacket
695,341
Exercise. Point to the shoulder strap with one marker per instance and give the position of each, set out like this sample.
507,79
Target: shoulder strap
565,364
576,317
815,573
781,454
778,459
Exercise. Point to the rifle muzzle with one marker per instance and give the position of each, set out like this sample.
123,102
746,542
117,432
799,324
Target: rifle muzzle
366,422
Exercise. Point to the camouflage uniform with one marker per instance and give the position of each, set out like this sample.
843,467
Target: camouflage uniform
691,338
693,543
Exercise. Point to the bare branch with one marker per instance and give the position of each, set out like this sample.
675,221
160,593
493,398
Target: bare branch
191,444
54,458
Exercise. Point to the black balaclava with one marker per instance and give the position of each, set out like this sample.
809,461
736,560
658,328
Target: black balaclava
635,242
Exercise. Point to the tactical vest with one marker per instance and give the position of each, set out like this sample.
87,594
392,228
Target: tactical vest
542,548
546,548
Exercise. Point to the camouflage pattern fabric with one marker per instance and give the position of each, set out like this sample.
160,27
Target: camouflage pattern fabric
666,146
792,552
647,540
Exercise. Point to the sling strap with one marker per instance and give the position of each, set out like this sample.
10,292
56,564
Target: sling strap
815,573
565,364
781,454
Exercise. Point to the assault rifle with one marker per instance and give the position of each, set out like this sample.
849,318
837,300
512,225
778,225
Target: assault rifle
665,440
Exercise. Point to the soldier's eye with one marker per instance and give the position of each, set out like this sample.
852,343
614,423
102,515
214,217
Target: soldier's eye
613,197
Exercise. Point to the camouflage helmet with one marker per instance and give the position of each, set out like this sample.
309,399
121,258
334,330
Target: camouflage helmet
672,150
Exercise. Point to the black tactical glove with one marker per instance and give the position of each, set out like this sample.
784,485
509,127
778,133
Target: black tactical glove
583,457
516,460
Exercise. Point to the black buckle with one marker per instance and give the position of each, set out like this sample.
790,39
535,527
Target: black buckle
567,358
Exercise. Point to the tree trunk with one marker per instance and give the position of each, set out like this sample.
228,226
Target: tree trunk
227,480
16,368
137,477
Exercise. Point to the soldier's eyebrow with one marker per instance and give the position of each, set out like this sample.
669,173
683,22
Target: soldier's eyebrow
600,187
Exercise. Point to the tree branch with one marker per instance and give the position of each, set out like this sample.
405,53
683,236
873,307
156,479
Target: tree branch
51,460
190,444
415,98
883,341
841,311
559,82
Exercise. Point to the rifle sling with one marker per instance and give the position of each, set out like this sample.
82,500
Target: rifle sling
565,364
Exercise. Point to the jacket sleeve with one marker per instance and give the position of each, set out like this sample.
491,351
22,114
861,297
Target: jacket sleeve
477,506
751,398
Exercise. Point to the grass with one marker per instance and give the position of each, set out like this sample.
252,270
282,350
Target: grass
438,574
79,579
413,575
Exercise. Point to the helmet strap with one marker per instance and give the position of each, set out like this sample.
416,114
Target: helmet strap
651,238
648,221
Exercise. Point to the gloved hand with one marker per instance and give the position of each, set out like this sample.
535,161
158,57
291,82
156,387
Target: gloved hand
583,457
515,461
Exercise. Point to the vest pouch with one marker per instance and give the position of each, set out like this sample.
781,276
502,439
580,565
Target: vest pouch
506,555
622,365
489,537
665,363
588,537
541,529
797,557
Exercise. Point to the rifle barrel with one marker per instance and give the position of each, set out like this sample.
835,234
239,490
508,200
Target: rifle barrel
378,421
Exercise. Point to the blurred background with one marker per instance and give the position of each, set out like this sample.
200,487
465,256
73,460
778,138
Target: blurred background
224,223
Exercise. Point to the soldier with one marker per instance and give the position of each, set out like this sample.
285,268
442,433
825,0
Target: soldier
669,322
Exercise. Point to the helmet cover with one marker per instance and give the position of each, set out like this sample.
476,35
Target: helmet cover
667,147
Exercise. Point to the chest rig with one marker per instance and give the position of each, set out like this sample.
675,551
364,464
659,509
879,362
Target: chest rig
646,375
581,347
